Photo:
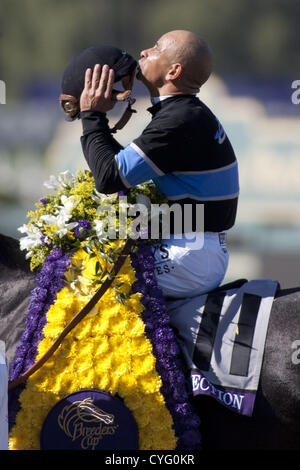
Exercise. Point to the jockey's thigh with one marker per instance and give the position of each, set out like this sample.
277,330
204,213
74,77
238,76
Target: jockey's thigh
187,267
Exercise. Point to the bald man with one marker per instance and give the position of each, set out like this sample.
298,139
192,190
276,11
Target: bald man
184,150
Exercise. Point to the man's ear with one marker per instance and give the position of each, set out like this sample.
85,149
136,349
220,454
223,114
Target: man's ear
174,72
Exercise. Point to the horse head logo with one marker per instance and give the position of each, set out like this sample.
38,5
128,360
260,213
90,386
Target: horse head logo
83,418
87,411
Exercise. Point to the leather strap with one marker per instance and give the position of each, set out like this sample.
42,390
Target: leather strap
68,98
123,119
75,320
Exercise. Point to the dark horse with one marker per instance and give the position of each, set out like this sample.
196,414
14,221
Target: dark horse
275,423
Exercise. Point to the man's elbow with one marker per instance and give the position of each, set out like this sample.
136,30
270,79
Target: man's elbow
105,187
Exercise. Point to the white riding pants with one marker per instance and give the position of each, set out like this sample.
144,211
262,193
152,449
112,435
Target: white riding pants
189,267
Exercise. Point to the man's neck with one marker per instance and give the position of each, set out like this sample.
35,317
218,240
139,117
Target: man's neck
157,99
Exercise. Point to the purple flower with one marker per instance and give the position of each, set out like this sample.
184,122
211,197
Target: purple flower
38,294
82,226
168,361
122,193
45,242
44,200
48,282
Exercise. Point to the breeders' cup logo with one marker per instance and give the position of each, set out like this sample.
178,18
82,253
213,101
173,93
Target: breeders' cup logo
84,421
89,419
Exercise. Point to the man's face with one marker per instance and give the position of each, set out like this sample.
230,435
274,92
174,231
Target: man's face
154,63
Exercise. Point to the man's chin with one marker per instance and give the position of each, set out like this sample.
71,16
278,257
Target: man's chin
139,75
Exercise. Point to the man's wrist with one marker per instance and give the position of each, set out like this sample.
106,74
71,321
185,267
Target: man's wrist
93,121
88,112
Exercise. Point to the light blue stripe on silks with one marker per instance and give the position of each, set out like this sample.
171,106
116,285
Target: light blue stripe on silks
135,167
214,185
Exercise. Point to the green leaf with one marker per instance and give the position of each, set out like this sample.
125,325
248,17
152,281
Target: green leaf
97,267
120,300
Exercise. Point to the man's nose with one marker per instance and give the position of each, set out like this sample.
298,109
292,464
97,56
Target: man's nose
144,53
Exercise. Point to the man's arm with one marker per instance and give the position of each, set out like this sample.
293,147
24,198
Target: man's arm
113,168
99,149
98,145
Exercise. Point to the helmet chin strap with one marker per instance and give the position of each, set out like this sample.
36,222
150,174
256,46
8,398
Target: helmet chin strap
120,95
123,96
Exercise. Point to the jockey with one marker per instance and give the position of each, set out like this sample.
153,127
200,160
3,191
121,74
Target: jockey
184,151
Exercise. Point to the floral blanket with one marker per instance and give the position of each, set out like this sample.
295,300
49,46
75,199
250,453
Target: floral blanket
124,346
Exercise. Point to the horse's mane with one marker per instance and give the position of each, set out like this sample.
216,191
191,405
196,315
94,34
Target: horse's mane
11,257
16,283
239,282
287,291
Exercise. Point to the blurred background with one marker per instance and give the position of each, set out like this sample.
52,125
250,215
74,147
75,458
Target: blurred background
256,50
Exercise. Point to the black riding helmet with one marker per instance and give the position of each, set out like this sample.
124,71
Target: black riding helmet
74,74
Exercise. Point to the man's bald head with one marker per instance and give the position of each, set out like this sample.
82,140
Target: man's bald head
179,63
194,55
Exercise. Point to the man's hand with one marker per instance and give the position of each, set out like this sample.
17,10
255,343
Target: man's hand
97,92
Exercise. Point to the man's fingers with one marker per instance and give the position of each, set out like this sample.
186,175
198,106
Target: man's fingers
97,91
103,80
88,78
96,77
110,82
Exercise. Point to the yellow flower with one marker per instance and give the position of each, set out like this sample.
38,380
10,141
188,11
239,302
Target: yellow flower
107,350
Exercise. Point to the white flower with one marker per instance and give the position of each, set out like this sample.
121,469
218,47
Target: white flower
63,215
29,254
69,203
52,183
64,179
32,239
61,221
99,198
